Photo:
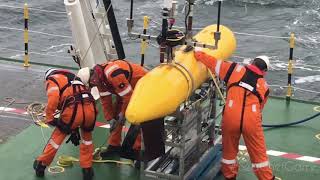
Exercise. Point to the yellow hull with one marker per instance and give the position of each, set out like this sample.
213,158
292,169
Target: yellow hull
161,91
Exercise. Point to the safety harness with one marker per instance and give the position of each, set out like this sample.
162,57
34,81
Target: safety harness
249,83
80,95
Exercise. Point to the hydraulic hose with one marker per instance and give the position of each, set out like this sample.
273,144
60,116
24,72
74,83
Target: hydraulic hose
292,123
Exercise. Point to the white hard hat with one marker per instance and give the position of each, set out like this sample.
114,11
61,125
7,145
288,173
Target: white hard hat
49,72
84,75
265,59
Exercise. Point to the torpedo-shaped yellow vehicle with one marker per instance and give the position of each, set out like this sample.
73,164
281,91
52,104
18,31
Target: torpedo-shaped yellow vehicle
160,92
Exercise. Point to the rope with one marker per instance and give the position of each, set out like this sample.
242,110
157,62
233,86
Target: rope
239,33
35,9
260,35
66,161
36,111
56,169
217,86
36,32
186,74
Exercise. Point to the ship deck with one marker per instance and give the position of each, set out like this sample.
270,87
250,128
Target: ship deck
294,151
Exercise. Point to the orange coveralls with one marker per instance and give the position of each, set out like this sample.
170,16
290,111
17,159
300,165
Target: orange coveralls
119,78
242,115
84,117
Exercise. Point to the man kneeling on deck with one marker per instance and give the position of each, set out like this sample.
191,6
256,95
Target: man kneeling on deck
247,93
69,96
117,77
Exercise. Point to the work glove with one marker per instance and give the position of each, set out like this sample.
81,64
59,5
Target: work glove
198,49
57,114
121,119
117,121
53,122
74,137
190,48
113,124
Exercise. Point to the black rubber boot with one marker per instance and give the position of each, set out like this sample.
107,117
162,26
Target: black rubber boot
87,173
39,168
137,164
111,151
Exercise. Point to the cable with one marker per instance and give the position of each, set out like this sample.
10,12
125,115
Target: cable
292,123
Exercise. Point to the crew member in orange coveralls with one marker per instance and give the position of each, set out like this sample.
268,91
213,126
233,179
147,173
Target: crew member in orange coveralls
67,94
117,77
247,93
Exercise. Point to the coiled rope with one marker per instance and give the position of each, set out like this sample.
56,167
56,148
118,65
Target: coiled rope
35,110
